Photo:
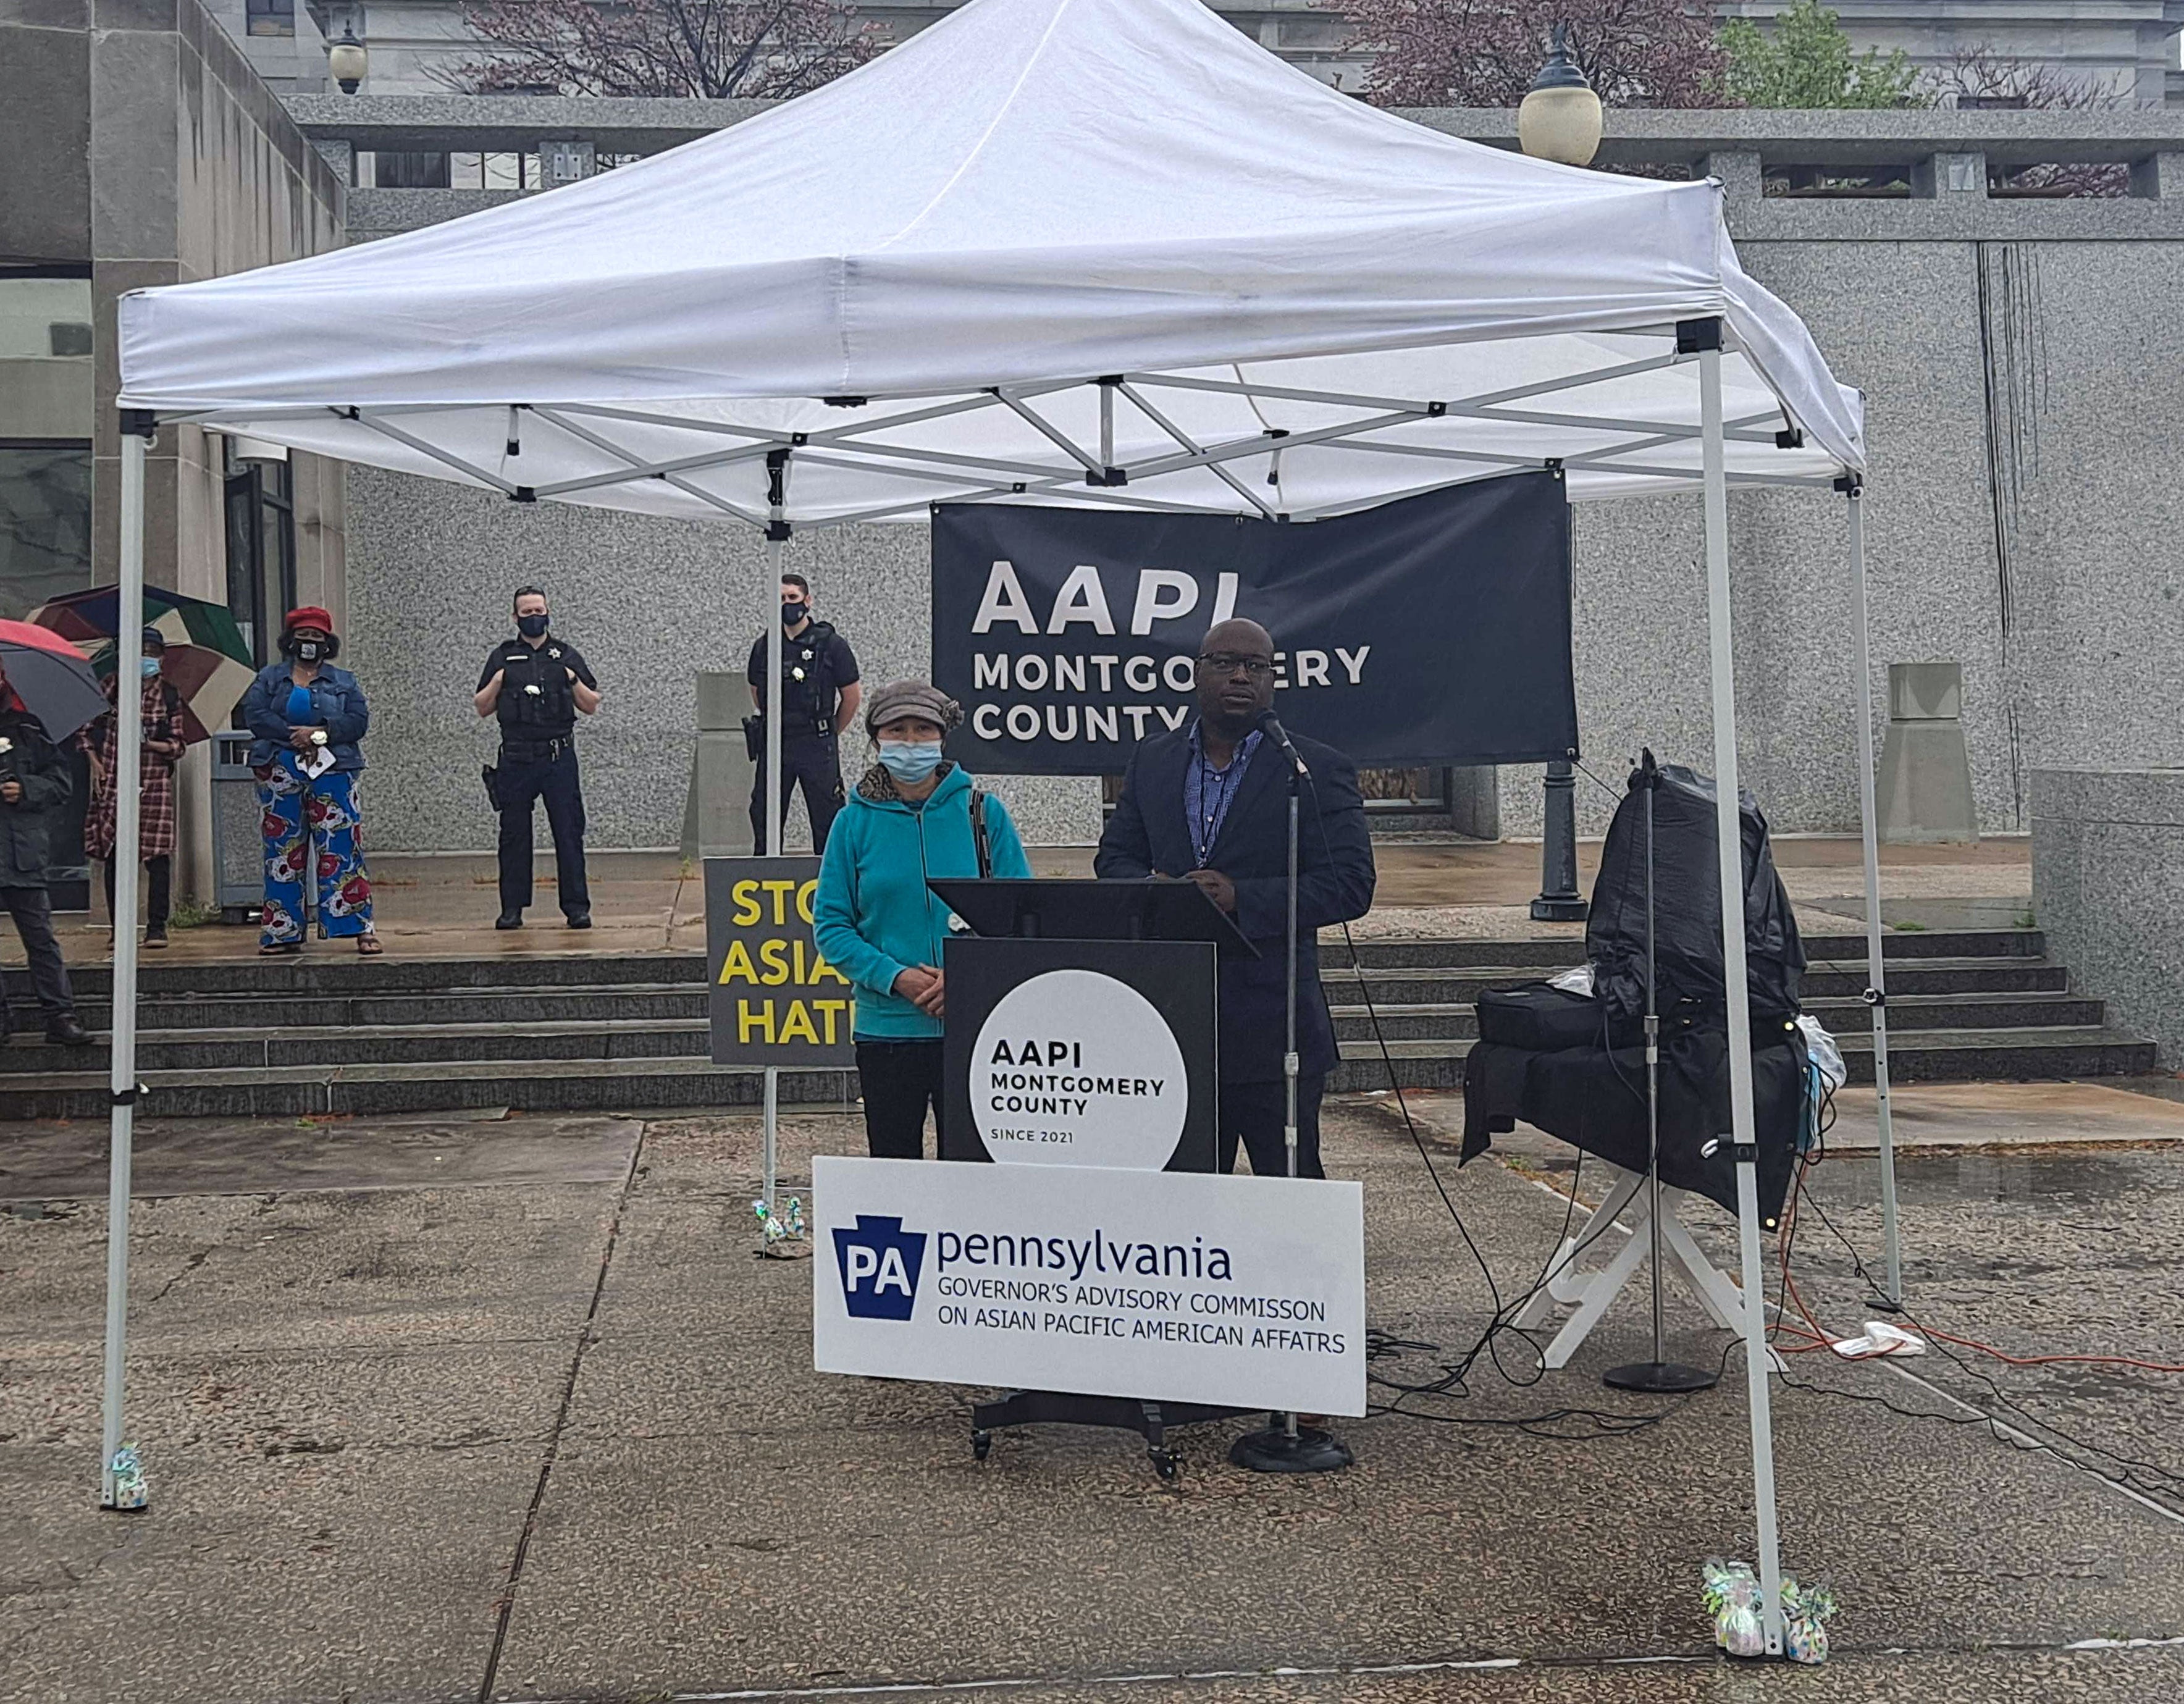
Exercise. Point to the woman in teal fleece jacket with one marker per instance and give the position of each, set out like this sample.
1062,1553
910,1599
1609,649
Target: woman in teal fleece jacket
907,820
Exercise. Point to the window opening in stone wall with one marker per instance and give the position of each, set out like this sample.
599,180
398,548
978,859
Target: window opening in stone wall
261,553
493,170
270,17
2059,180
45,523
1889,182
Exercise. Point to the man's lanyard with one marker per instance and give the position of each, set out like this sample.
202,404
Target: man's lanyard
1215,786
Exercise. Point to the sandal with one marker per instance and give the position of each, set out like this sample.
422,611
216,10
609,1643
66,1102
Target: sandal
368,947
279,949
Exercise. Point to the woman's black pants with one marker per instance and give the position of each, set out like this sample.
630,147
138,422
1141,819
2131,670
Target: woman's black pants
158,890
900,1080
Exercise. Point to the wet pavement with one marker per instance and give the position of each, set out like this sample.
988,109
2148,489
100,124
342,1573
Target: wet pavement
445,1410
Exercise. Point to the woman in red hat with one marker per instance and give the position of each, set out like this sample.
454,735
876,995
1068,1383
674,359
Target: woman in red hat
308,717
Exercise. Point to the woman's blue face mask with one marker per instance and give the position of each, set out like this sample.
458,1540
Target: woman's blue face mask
151,666
910,761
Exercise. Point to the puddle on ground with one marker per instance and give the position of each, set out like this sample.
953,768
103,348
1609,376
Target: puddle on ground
2002,1176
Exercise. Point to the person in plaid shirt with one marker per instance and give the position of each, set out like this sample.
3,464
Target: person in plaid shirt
163,747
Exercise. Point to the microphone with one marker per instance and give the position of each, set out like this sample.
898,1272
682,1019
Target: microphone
1267,724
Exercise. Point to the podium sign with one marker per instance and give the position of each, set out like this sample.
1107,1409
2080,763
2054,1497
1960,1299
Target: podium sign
1244,1291
773,999
1081,1053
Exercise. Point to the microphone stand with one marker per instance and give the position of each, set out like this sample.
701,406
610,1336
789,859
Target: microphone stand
1284,1447
1657,1376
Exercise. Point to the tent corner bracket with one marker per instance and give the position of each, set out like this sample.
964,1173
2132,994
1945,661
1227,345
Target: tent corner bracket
1697,337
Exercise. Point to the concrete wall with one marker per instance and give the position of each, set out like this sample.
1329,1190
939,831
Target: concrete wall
2107,888
140,145
2022,390
650,602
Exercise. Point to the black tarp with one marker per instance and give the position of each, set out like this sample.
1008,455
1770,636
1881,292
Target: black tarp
1594,1097
1687,909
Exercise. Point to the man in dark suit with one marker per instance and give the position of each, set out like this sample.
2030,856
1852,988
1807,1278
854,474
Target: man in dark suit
1210,805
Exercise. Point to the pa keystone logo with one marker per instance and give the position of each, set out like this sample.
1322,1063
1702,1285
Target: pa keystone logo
880,1263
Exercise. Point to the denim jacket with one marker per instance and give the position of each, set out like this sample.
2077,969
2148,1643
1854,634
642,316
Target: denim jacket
338,705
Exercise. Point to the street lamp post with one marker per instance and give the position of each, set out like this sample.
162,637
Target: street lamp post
1560,117
1559,120
346,61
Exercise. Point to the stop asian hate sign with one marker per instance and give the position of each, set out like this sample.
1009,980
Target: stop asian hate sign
774,999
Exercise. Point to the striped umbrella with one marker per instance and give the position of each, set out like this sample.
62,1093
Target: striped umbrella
51,676
206,660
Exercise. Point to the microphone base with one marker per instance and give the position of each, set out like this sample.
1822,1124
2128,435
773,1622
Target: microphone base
1275,1451
1659,1378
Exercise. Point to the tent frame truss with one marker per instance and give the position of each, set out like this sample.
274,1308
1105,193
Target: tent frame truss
856,445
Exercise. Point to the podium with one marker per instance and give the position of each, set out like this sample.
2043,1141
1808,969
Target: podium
1081,1023
1081,1030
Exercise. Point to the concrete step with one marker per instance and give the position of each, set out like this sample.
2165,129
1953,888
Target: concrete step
369,1045
1950,1055
328,971
1383,952
1429,985
614,1085
649,1001
216,1048
667,1000
1840,1017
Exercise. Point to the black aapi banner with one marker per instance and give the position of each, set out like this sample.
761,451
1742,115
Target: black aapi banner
1434,630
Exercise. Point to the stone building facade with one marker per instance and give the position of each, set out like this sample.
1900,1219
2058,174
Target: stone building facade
142,149
2017,356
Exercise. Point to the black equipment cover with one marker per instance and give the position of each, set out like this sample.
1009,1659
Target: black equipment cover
1590,1090
1595,1100
1539,1017
1687,911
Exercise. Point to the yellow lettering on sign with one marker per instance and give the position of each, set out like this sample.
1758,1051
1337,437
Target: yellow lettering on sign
750,1017
746,895
803,899
827,1009
775,954
797,1026
819,968
781,891
737,967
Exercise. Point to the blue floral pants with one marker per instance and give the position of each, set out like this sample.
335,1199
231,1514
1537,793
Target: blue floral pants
315,823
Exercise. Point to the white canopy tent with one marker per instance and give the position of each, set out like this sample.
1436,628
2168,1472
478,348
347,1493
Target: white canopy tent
1103,252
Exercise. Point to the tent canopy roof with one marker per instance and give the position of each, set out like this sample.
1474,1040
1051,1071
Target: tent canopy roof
916,278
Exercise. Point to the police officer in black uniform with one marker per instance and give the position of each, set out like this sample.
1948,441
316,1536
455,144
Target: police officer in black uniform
819,696
537,685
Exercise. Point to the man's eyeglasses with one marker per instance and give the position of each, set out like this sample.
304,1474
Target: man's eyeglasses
1227,663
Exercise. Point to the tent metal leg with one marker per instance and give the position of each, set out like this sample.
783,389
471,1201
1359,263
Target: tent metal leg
1730,838
123,1492
1876,992
774,548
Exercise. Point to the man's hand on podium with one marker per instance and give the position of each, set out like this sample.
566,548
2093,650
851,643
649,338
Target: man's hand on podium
922,986
1218,887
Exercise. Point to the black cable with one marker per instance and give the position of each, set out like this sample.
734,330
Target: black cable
2149,1479
1597,781
1503,1320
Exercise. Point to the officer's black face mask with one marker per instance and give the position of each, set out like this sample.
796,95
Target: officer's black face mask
531,626
791,614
